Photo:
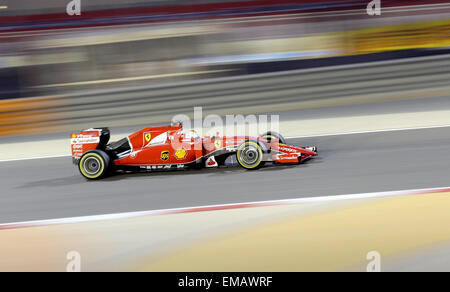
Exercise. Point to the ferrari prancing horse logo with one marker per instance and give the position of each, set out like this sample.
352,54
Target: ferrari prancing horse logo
147,137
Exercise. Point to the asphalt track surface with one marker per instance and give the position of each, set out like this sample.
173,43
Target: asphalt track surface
348,164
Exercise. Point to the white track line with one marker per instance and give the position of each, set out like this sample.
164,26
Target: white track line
34,158
291,137
371,131
207,208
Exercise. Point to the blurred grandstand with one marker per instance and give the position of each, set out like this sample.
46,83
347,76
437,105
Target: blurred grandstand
46,55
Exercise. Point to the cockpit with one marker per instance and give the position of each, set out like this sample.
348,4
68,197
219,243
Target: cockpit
190,134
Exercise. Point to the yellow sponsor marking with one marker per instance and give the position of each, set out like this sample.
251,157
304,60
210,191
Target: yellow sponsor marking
218,144
400,37
334,240
165,155
147,137
180,153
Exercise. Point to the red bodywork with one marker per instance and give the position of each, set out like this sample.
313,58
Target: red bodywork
85,141
167,147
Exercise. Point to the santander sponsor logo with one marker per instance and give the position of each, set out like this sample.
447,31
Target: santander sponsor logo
83,139
285,149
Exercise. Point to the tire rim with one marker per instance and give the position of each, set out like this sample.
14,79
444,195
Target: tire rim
92,165
249,155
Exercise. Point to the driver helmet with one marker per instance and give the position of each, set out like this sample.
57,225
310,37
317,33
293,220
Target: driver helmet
191,134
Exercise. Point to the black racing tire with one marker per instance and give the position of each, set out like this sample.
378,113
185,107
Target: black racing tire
272,134
94,164
250,155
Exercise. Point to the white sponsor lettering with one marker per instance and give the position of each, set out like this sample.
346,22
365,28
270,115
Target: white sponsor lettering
84,140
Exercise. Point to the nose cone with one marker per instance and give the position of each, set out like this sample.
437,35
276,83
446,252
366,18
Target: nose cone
311,150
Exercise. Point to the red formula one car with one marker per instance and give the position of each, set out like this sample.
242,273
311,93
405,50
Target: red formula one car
171,147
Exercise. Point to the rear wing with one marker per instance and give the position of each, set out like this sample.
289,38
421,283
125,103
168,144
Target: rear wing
88,140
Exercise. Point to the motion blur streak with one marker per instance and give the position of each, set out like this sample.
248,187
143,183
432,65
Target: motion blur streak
131,48
58,221
320,236
326,240
16,115
50,188
323,66
298,89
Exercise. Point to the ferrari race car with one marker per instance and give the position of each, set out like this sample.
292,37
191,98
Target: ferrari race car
171,147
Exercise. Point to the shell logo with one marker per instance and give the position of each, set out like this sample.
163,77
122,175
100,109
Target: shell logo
180,153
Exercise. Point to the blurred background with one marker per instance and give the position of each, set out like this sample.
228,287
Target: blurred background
117,54
326,67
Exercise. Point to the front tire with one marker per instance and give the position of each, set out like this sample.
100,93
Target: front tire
94,164
271,135
250,155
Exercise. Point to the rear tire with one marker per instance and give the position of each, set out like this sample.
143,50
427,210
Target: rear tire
94,164
269,136
250,155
